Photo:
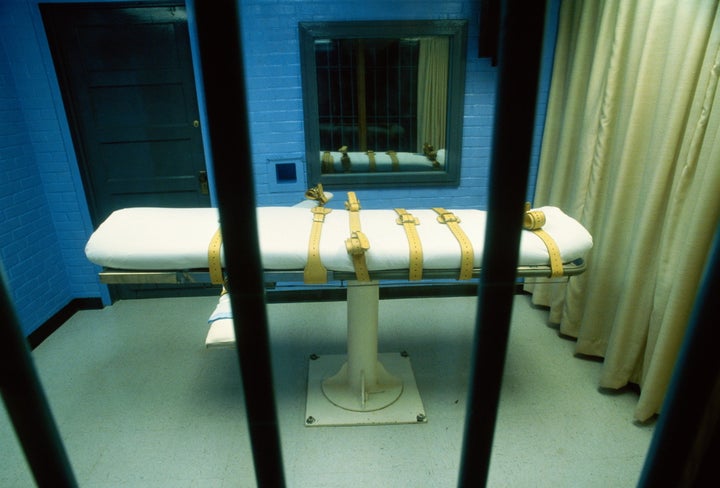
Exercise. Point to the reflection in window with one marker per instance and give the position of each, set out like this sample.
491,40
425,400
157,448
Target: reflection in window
382,94
367,90
383,101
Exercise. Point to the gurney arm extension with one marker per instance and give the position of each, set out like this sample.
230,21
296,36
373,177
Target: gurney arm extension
124,277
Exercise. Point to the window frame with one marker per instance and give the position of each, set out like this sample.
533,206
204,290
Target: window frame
455,30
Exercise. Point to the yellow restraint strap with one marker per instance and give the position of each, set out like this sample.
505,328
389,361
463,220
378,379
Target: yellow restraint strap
358,242
467,256
533,221
315,272
214,261
328,162
372,165
317,193
416,255
394,159
345,159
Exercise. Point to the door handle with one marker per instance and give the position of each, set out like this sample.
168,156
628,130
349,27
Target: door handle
203,181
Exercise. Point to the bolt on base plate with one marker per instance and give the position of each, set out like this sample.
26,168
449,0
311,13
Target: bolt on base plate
320,411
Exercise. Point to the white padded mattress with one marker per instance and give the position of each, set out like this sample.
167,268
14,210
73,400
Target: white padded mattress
178,238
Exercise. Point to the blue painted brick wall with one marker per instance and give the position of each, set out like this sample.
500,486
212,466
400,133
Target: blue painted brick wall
271,51
274,86
29,247
45,220
43,216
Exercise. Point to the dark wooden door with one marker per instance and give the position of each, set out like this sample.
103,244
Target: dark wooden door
126,76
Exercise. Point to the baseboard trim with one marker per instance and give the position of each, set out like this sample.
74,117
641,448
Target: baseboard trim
273,296
37,336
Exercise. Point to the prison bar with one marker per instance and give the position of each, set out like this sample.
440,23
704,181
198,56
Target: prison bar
520,44
26,403
685,446
218,25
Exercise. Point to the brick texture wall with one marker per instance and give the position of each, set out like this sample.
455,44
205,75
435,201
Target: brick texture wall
274,87
44,221
29,246
270,35
43,218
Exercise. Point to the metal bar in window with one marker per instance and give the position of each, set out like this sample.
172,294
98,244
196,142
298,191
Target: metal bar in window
518,73
26,403
218,25
388,70
361,96
343,115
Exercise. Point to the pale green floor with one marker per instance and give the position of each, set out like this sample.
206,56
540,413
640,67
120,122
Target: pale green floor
140,402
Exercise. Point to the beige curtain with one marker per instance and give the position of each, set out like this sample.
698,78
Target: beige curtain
432,91
632,149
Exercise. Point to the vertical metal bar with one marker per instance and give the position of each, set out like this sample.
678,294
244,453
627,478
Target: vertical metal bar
361,96
330,114
346,114
521,32
681,452
26,404
224,85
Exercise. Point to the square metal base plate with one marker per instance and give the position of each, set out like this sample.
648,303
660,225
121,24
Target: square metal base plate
319,411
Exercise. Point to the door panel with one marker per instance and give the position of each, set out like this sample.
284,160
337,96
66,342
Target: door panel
125,73
128,87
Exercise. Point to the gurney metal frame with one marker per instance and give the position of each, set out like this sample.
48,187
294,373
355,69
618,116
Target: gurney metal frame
111,276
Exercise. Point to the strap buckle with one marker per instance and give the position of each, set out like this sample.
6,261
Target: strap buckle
317,193
345,159
447,218
406,218
533,221
466,249
319,213
357,244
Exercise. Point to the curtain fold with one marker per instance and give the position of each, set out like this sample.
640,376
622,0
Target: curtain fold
433,57
629,150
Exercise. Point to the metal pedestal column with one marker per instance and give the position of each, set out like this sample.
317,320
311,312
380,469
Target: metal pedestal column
357,389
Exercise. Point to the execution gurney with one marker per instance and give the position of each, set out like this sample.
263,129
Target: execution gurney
318,244
344,161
